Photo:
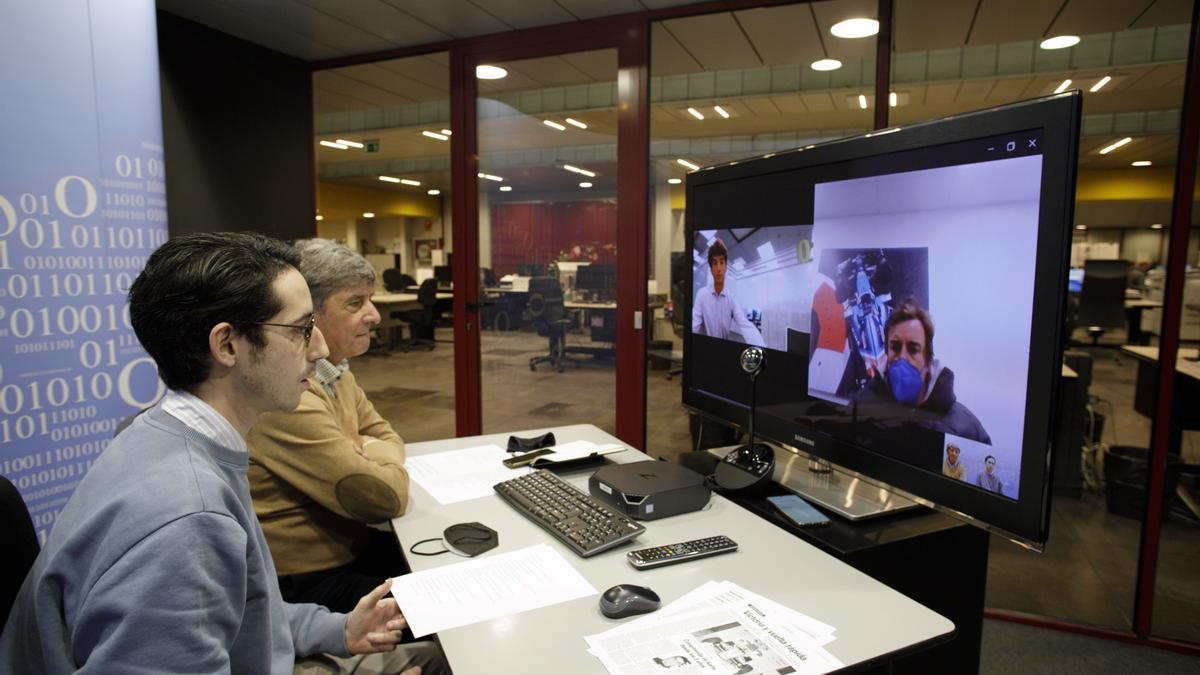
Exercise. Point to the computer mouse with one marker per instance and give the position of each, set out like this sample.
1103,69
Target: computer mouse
625,600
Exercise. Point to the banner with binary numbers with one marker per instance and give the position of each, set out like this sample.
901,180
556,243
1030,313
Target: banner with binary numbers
82,205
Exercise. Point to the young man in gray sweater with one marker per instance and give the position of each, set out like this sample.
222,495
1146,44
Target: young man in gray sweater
157,563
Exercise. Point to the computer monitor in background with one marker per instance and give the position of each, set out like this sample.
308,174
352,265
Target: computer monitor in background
599,280
1075,280
443,275
908,287
531,270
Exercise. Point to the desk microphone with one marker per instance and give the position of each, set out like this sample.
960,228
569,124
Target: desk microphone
750,465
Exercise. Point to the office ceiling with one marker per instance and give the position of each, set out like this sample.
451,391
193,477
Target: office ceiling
940,59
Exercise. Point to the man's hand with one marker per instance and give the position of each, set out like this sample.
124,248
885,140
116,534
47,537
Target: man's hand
375,624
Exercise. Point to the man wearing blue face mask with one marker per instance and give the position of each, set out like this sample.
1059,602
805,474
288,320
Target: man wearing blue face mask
916,380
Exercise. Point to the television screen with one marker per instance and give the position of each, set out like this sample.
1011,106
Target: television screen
891,279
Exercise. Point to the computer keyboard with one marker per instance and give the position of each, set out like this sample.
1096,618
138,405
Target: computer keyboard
584,524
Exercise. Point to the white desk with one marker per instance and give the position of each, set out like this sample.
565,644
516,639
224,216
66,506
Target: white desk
873,621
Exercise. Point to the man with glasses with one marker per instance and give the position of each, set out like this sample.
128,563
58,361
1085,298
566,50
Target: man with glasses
320,474
157,563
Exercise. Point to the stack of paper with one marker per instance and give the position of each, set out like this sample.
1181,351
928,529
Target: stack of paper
717,628
460,475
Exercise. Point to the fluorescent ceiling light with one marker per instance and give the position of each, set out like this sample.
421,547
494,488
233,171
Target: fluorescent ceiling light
434,192
696,113
389,179
721,111
320,217
684,162
554,125
434,134
490,72
491,177
674,181
892,99
1063,87
1060,42
585,185
855,28
862,101
331,144
1156,226
1141,162
576,123
826,64
1109,148
446,132
1103,81
575,169
352,144
409,181
506,188
1081,227
368,214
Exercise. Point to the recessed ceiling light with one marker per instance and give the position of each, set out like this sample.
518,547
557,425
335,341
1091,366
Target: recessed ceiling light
576,123
1063,87
1156,226
1081,227
1060,42
721,111
434,192
862,101
389,179
1141,162
674,181
892,99
434,134
490,72
352,144
684,162
826,64
696,113
320,217
1103,81
368,214
506,188
1113,146
855,28
409,181
554,125
585,185
331,144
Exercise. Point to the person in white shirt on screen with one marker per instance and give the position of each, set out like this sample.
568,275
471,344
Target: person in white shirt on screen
715,313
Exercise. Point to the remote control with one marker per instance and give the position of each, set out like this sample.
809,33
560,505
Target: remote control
645,558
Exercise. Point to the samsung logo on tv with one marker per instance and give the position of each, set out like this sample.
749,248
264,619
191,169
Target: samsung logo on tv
807,441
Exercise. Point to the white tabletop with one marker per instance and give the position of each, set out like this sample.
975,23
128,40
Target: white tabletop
1184,365
871,619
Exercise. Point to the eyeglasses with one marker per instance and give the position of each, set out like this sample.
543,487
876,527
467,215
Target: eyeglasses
306,329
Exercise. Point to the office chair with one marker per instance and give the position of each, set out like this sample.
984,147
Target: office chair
679,291
545,311
22,545
420,319
1102,300
395,281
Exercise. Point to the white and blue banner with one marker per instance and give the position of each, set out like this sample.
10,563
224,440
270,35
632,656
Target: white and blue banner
82,205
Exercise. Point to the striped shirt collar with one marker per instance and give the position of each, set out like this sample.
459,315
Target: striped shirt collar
327,374
203,419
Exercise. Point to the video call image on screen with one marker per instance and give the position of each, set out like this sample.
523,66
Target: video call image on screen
912,295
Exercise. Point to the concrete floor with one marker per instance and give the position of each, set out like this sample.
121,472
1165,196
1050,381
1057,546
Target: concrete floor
1086,574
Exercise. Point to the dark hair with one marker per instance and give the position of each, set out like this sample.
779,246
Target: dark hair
715,249
195,281
909,310
991,457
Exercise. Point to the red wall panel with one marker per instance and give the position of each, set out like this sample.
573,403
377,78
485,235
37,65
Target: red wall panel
543,232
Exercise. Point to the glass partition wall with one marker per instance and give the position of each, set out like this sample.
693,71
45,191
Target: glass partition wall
381,133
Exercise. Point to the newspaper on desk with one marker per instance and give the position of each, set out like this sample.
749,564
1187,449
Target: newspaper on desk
717,628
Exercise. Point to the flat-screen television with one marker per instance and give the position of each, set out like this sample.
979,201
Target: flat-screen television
907,287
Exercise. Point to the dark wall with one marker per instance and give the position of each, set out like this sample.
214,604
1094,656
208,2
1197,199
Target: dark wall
237,133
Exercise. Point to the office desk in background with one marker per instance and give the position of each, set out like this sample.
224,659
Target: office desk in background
1185,414
1133,314
387,303
874,623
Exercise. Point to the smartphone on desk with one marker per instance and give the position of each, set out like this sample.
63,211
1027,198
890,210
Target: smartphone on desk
798,511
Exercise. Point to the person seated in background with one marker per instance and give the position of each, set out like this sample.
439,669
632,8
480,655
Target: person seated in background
914,385
157,564
320,474
1137,275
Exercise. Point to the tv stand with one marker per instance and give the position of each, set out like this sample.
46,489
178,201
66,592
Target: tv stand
836,489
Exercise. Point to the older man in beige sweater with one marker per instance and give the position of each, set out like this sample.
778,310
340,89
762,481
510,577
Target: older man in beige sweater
320,474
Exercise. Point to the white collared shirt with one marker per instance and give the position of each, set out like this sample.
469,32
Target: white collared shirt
718,315
203,419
